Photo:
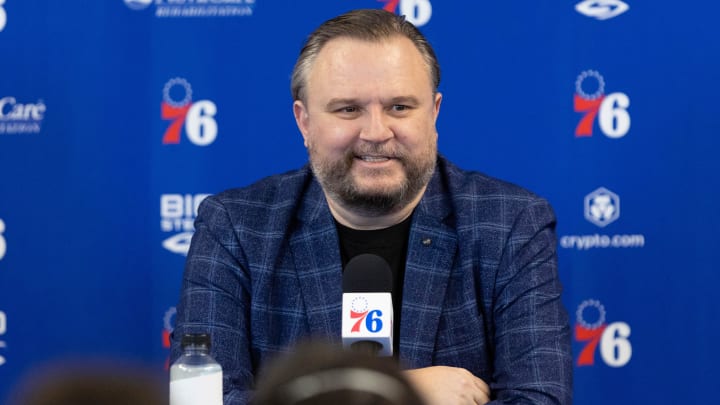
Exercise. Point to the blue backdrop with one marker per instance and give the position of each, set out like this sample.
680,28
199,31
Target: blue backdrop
118,117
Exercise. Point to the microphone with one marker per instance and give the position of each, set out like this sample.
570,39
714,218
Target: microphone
367,310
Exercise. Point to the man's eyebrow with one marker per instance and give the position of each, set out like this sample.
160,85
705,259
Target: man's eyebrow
337,102
412,100
341,102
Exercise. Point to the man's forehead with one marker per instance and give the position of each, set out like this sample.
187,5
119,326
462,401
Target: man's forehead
349,43
344,62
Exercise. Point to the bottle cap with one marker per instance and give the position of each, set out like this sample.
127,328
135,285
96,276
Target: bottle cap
195,339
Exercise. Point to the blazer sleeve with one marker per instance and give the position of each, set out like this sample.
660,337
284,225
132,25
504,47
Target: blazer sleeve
215,299
533,361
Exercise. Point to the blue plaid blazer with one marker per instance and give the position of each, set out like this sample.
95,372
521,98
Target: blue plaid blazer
264,272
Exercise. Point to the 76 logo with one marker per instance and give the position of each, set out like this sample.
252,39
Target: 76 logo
615,348
610,110
198,117
359,311
418,12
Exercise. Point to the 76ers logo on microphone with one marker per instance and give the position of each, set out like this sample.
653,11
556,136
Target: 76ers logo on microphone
372,319
615,348
198,117
610,110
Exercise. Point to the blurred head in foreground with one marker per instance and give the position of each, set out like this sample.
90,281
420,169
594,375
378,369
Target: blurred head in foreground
91,384
318,374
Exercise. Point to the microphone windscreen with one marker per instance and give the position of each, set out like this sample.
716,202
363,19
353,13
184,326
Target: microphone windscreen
367,273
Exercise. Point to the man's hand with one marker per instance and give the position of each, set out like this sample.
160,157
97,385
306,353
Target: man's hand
440,385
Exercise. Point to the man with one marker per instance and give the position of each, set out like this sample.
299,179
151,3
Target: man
476,288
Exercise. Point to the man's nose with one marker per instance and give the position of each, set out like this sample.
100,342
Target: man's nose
377,127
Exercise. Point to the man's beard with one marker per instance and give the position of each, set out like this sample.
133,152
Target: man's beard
337,181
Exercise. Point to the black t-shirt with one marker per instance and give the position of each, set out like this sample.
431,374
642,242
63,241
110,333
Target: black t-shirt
390,244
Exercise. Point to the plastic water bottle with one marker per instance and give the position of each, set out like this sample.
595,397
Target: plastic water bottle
195,377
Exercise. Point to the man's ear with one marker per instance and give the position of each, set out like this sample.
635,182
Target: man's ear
438,101
301,119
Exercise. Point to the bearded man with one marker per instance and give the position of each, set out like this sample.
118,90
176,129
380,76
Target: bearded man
476,295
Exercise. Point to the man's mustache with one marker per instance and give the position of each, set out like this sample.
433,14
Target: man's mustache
384,150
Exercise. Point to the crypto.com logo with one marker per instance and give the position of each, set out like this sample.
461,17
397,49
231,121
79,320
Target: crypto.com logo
590,327
198,117
611,109
3,16
137,4
418,12
601,9
602,207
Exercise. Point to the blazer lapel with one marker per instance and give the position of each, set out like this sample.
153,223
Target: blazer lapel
432,248
316,255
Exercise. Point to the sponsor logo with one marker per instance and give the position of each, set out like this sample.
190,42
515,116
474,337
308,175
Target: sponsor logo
197,118
591,101
371,319
601,9
21,118
602,207
168,327
612,339
177,215
3,330
418,12
195,8
3,16
3,242
138,4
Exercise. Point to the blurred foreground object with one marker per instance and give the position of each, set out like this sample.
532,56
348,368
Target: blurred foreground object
92,384
321,374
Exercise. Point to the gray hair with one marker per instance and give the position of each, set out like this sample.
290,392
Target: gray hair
368,25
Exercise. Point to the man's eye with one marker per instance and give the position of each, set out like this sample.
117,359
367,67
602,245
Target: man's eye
400,107
348,110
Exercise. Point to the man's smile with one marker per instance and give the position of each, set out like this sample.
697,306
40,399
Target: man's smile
373,159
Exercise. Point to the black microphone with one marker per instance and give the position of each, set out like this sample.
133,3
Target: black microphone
367,311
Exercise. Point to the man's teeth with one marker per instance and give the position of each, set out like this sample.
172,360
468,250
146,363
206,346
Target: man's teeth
374,158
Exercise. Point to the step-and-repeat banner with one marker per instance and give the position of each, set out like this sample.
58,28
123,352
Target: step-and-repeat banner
118,117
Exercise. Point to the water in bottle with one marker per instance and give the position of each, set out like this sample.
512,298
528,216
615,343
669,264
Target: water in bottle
195,377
